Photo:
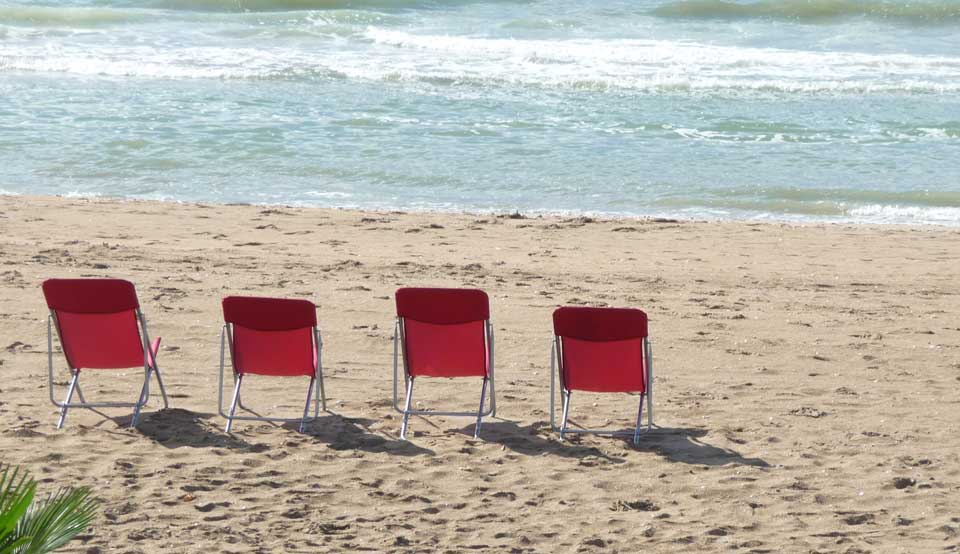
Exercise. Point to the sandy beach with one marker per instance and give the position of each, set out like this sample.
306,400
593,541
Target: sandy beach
806,387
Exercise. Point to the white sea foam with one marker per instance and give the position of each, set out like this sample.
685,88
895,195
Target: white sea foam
657,64
912,215
591,64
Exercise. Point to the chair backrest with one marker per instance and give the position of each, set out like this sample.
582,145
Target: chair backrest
601,349
444,331
97,322
271,336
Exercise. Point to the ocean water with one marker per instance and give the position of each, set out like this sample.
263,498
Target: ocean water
797,110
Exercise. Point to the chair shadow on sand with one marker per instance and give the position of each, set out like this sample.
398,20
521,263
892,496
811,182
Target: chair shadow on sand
683,444
178,428
353,433
674,443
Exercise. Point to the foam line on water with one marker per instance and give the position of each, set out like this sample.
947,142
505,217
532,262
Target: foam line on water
297,5
583,64
916,215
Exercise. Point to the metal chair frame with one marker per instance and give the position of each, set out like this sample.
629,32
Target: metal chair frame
316,382
74,386
556,369
398,338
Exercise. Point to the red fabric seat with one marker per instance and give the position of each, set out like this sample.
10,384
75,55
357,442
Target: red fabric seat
101,340
281,353
610,366
455,350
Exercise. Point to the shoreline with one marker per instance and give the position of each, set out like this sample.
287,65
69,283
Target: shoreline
511,214
803,378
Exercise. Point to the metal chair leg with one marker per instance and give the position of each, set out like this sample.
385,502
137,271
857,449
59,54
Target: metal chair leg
636,433
144,397
483,392
318,395
493,397
320,389
406,409
306,407
64,408
323,393
233,405
566,411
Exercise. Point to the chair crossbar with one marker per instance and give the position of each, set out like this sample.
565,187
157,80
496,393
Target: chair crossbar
607,432
271,418
98,404
487,413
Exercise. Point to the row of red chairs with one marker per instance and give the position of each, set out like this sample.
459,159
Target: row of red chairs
439,333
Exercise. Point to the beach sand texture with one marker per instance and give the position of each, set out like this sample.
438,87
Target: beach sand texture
806,388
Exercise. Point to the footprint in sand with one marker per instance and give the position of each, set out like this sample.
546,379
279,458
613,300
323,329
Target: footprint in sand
210,506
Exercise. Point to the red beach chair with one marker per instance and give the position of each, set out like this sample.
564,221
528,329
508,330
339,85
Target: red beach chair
97,324
443,333
271,336
601,350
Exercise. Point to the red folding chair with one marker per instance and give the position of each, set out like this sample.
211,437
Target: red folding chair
271,336
443,333
601,350
97,325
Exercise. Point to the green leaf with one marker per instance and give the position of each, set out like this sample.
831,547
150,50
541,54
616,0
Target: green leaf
54,521
10,546
15,498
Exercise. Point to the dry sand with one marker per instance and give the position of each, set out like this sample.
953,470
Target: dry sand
806,391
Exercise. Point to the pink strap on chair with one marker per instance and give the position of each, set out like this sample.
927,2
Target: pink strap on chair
154,350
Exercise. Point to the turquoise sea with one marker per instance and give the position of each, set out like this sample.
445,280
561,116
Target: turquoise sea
796,110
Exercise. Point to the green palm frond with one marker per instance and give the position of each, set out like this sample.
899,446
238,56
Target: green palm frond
44,526
54,521
16,494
